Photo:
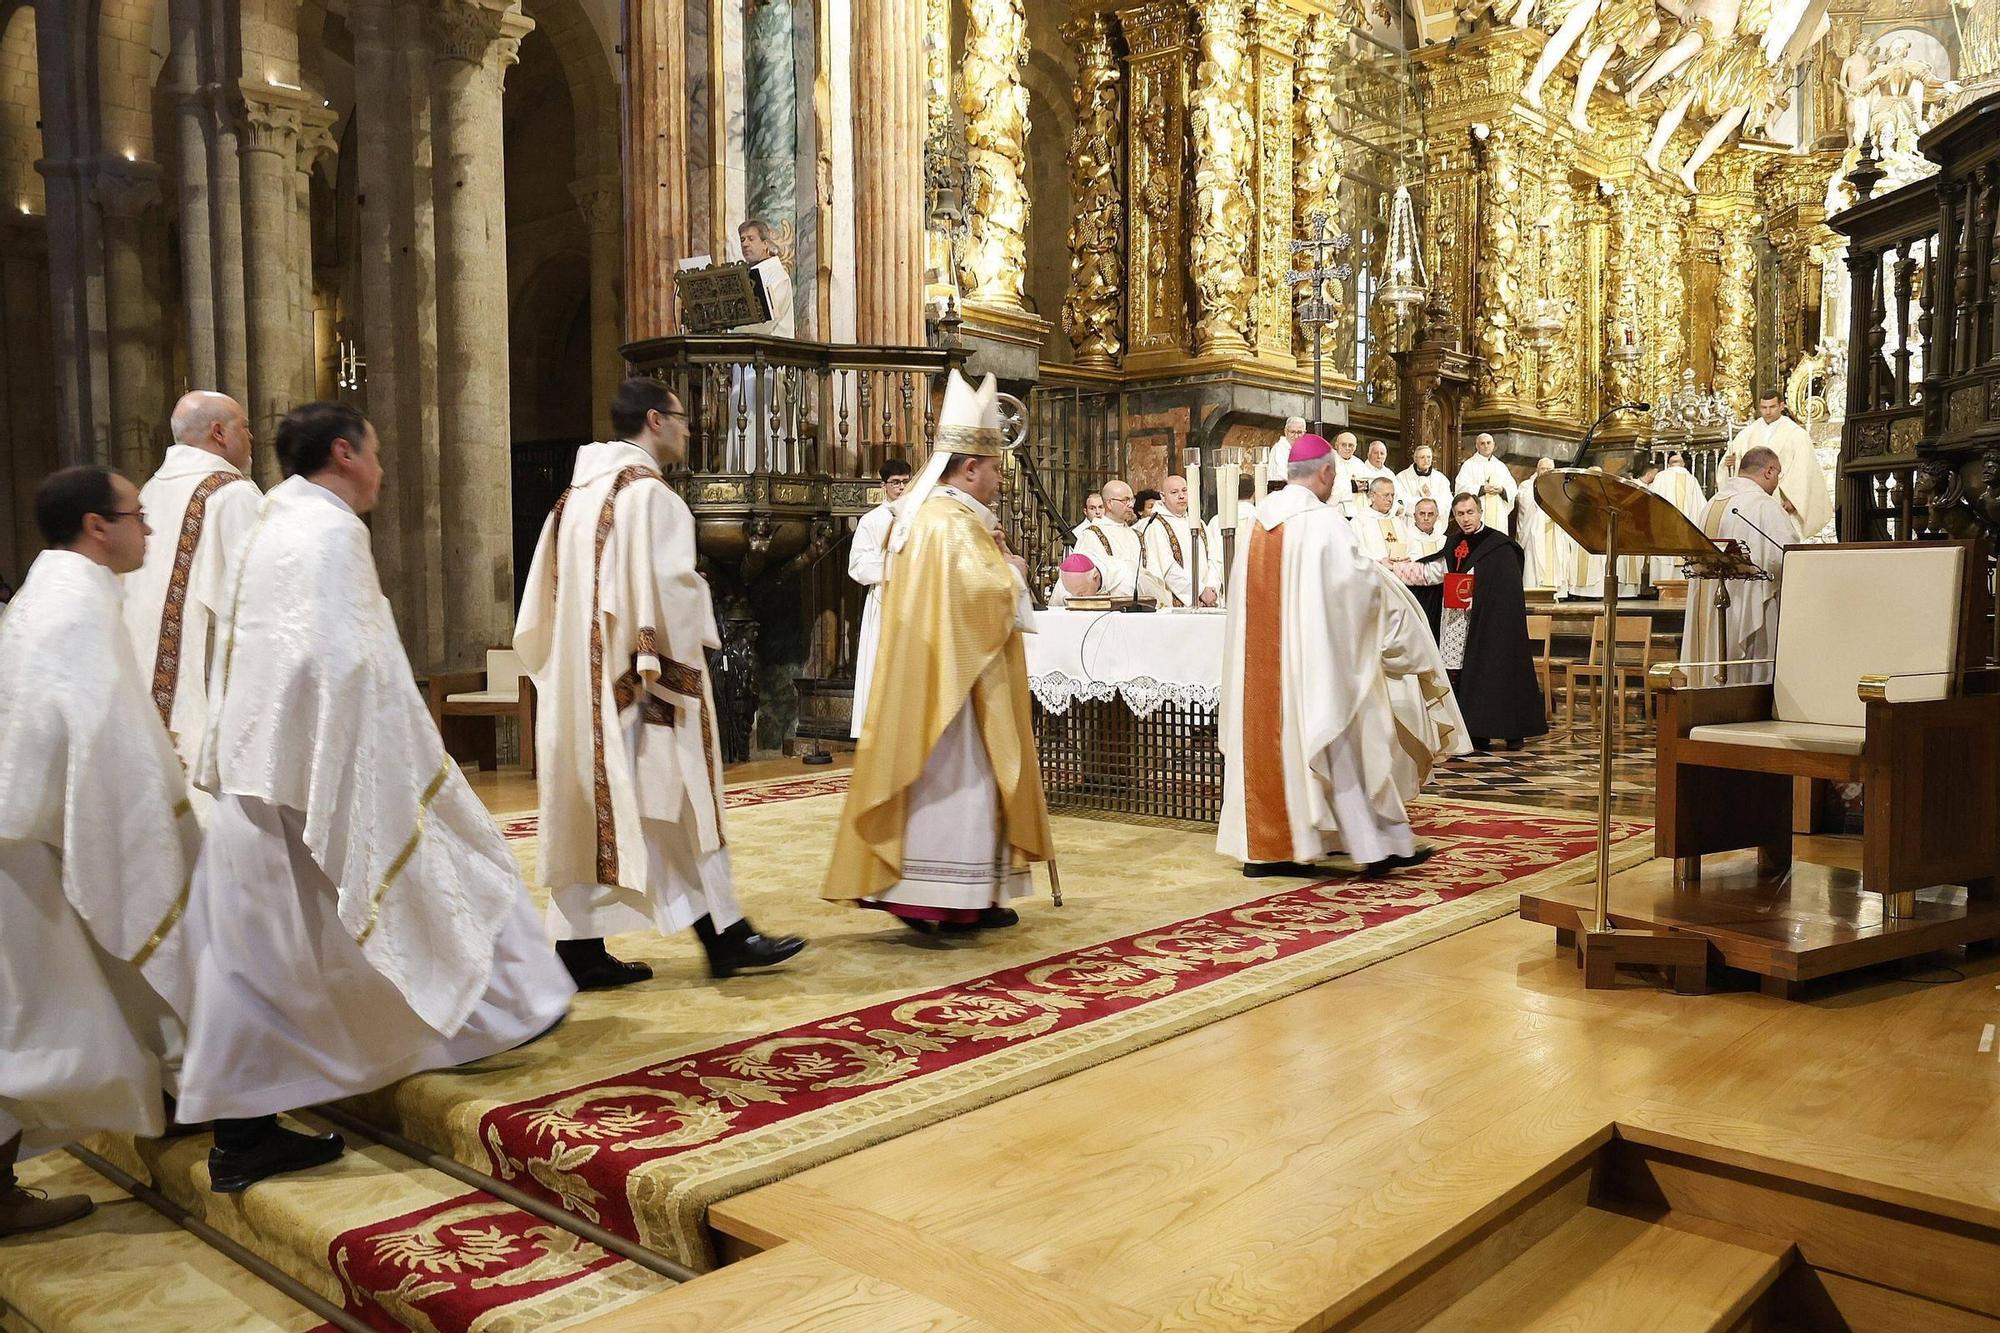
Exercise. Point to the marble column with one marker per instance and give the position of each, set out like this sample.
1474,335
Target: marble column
127,195
270,141
600,201
993,267
771,117
472,44
225,215
191,129
888,172
656,166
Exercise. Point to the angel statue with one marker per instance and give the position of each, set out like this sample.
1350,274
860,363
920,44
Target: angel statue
1601,29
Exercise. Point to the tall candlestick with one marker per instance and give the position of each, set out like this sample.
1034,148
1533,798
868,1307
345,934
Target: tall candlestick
1226,475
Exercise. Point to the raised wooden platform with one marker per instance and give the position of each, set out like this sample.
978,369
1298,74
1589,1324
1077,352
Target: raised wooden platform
1813,921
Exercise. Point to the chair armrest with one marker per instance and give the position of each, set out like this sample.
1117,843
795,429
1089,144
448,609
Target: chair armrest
1673,675
1702,706
442,683
1904,687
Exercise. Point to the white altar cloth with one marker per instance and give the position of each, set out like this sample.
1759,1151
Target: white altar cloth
1145,660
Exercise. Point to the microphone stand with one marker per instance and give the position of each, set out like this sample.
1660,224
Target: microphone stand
1584,448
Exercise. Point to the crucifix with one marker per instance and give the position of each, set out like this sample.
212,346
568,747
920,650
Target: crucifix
1316,308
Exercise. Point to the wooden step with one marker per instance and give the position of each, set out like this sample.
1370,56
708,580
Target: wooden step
1605,1270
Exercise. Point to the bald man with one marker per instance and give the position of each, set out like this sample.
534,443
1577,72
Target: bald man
1113,534
201,506
1281,451
1349,483
1488,480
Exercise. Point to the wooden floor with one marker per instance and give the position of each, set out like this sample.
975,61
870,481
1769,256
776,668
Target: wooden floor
1266,1171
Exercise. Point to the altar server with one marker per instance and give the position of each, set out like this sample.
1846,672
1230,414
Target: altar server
361,917
1177,549
945,811
1745,509
1383,533
1312,752
1374,463
202,506
616,625
1802,488
1487,479
1113,534
866,554
96,843
1085,575
1421,480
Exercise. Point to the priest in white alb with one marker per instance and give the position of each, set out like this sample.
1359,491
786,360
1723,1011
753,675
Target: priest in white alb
1802,488
1426,527
1347,479
867,554
1381,532
615,628
1315,759
201,505
1280,452
1373,463
945,811
1535,532
1423,480
1114,534
1740,640
1487,479
96,844
1177,550
361,917
1681,489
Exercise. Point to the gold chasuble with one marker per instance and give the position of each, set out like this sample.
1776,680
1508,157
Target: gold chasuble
948,635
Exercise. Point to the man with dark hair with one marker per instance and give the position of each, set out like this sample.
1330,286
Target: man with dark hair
1802,490
616,626
365,918
96,840
867,557
760,252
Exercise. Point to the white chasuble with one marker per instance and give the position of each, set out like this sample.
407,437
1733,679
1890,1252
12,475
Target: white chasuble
1801,482
345,847
1748,630
97,841
1412,486
1475,475
1679,488
200,509
1310,739
867,554
615,628
1178,553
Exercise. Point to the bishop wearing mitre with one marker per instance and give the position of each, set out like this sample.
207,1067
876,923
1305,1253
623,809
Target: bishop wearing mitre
615,628
1745,633
201,506
96,843
1489,480
945,811
1176,549
1316,759
1802,486
361,917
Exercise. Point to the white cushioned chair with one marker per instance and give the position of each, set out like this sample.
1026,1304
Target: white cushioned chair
467,707
1879,679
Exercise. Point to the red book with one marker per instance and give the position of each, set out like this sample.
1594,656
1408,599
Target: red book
1458,591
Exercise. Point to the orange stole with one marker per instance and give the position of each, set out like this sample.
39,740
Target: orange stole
1267,820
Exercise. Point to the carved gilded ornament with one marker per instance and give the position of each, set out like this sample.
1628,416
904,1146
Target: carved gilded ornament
1277,38
1735,308
1156,38
1220,231
993,267
1317,154
1091,309
1498,274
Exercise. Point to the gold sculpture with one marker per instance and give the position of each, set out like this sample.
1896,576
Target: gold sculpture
1220,128
1092,307
1278,29
1156,267
1735,311
1499,279
1317,162
993,267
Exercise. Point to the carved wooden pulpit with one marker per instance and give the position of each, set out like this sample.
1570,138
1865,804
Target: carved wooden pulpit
1435,378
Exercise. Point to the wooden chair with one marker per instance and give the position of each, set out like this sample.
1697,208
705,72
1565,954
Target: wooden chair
1542,640
1877,679
1631,659
468,705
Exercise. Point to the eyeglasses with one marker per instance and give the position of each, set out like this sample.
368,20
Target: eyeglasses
116,514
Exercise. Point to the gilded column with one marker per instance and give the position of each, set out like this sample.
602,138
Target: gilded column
1621,300
656,162
599,200
1220,137
1497,275
127,195
269,144
1319,153
472,44
1736,306
1091,309
993,268
889,38
1275,53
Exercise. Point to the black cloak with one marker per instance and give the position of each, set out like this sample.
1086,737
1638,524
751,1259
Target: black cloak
1498,691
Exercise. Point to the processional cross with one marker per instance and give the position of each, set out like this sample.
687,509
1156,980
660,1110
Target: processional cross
1316,309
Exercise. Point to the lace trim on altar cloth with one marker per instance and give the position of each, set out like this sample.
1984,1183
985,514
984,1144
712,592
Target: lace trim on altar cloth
1142,694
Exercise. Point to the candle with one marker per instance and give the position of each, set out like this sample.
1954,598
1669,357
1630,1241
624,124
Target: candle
1192,461
1260,476
1225,494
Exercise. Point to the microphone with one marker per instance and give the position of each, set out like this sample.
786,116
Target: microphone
1640,407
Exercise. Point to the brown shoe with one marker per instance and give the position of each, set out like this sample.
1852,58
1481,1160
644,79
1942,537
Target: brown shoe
25,1210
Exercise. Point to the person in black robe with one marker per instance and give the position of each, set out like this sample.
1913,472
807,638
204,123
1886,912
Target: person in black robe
1485,645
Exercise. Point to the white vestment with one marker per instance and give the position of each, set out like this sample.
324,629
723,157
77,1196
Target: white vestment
778,287
364,917
1277,459
96,843
1681,489
1365,473
1740,511
1534,530
1107,536
1480,471
1177,551
1332,636
1348,481
615,628
1432,485
866,555
955,850
1801,483
751,393
1427,543
1385,536
200,509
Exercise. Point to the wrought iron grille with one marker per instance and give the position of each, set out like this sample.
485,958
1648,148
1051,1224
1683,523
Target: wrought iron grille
1100,757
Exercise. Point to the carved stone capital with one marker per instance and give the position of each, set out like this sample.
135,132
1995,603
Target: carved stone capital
270,118
125,190
473,32
601,200
316,141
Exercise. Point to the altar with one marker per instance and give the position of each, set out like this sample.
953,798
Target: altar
1125,711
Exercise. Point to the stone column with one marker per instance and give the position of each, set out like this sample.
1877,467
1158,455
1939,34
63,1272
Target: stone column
270,148
600,201
77,313
191,126
472,44
656,181
127,195
1092,308
1274,51
316,145
1220,135
993,269
888,171
225,213
1156,36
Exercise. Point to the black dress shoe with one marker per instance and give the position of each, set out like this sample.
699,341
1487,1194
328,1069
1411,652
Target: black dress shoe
591,968
1283,870
741,947
1389,865
274,1152
990,918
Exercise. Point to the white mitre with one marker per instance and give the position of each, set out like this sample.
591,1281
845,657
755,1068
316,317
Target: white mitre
968,423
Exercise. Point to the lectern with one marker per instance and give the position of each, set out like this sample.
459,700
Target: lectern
1612,517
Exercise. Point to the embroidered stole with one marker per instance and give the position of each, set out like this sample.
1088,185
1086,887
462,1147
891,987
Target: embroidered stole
167,660
1267,818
